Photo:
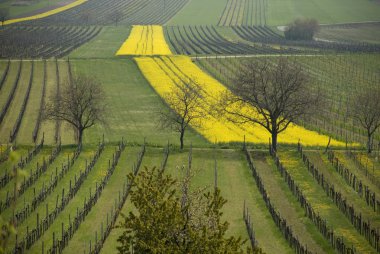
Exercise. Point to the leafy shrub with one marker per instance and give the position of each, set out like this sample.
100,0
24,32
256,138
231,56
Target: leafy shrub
302,29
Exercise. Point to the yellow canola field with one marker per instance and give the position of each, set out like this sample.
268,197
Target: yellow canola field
46,14
163,73
145,40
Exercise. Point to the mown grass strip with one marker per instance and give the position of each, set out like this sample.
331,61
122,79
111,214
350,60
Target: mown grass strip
336,228
286,204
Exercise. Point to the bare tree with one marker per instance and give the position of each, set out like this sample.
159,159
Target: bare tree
4,13
81,103
272,95
184,100
116,16
87,16
365,108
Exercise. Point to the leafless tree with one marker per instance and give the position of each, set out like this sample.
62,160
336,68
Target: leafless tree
4,13
81,103
87,16
365,108
184,101
116,16
273,95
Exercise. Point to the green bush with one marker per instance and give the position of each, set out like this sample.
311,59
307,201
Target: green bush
302,29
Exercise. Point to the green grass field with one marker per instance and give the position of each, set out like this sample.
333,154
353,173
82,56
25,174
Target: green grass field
321,203
104,45
369,33
232,171
197,13
325,11
131,104
282,12
132,107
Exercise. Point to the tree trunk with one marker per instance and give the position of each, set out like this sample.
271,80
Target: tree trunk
274,140
274,132
181,138
369,143
80,136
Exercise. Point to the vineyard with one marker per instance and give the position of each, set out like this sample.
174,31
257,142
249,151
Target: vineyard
98,12
318,192
244,13
206,40
48,35
335,75
46,14
264,34
43,41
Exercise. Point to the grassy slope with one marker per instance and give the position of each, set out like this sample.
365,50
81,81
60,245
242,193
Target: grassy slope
48,127
282,12
8,83
373,168
44,179
288,205
83,193
15,11
366,33
30,166
98,214
66,131
236,184
3,65
32,108
63,183
104,45
196,12
321,203
14,109
13,158
132,104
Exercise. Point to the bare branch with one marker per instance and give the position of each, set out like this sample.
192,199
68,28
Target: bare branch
273,95
365,108
184,101
81,104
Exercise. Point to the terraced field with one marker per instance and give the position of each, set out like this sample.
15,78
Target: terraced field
319,193
276,13
131,12
207,40
42,41
244,12
264,34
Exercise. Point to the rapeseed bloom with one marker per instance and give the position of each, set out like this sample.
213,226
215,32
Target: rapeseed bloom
164,73
145,40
